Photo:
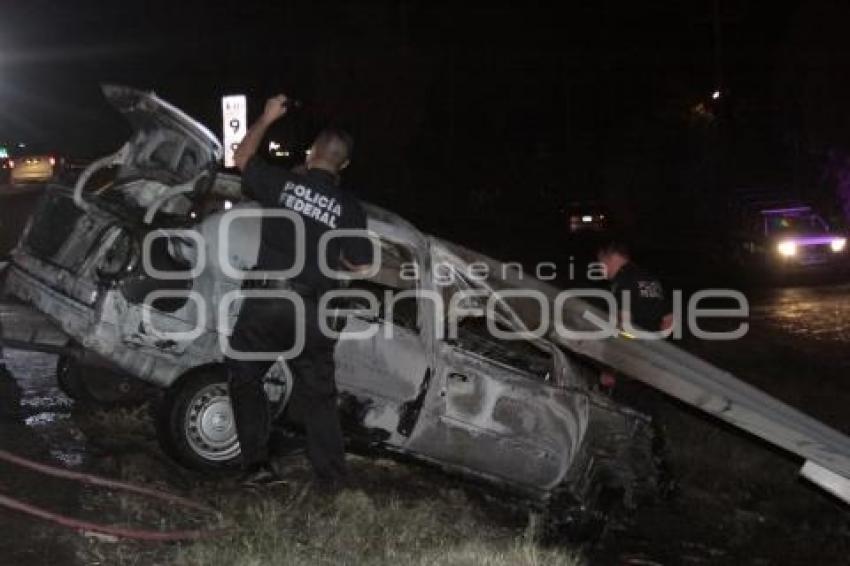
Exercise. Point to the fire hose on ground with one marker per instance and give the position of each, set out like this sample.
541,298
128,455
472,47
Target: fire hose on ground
110,530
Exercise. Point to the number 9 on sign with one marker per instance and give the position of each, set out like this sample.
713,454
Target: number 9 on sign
234,110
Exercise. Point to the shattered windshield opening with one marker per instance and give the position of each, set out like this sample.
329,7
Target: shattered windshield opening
474,333
481,271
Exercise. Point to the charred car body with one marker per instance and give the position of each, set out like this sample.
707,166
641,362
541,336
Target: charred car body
519,414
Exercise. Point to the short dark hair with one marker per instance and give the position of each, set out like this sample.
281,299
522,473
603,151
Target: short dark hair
332,133
614,246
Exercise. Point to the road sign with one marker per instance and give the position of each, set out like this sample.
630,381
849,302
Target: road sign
234,111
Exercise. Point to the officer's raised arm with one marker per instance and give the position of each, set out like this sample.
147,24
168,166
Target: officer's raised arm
274,110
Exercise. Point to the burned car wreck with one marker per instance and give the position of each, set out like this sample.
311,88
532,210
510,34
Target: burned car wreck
519,414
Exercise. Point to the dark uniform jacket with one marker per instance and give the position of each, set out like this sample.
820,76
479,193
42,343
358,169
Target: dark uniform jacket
322,205
649,305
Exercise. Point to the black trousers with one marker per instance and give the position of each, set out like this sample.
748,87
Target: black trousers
269,325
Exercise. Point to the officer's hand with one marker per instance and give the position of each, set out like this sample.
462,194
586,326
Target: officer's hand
275,108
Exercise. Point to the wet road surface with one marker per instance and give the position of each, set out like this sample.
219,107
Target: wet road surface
819,315
726,513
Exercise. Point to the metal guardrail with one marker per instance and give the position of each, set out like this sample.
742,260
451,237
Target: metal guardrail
696,382
672,370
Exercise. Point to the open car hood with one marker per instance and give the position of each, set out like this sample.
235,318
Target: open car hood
167,145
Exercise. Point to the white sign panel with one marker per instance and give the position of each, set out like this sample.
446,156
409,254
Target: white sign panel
234,111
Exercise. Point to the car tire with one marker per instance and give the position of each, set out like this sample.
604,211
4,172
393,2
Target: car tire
96,385
195,423
69,379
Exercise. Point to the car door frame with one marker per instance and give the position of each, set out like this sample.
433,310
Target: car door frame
517,457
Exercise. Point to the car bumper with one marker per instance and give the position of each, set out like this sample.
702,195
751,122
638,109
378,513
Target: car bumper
812,264
31,176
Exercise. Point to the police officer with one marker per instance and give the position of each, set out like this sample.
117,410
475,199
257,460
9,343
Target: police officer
268,325
649,308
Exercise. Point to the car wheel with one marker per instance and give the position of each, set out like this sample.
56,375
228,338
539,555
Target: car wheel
97,385
69,379
195,421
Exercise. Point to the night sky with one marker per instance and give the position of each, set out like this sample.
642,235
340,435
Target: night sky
487,104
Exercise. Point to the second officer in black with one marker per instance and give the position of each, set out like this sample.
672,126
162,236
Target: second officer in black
269,325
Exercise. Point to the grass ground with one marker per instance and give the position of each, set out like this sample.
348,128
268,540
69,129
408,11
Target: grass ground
357,527
395,514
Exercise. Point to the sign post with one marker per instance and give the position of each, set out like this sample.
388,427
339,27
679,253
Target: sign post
234,111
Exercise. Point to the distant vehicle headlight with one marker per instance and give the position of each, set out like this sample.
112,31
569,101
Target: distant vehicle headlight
838,244
787,248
